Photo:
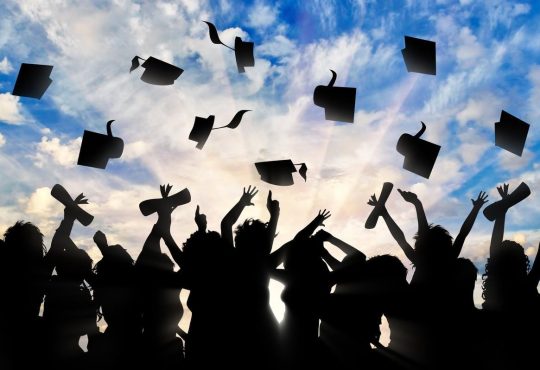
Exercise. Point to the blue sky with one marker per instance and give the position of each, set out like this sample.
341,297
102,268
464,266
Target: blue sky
488,59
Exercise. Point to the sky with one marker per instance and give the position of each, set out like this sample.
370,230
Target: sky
488,60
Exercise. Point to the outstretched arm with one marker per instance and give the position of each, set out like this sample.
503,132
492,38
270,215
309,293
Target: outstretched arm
420,213
232,216
498,228
273,208
395,231
307,231
346,248
469,222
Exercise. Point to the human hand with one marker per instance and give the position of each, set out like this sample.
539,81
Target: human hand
373,201
200,220
165,211
248,195
480,200
272,205
100,239
503,190
323,235
408,196
322,216
69,212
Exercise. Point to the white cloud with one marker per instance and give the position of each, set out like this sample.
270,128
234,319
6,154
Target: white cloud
483,110
469,50
59,153
2,140
511,162
10,109
262,16
5,66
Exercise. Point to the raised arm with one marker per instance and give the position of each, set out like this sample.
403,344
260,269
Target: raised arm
307,231
395,231
273,208
420,213
497,235
232,216
469,222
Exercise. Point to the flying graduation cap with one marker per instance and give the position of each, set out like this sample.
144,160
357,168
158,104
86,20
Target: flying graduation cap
32,80
511,133
242,50
203,126
280,172
420,56
420,155
97,149
338,102
157,72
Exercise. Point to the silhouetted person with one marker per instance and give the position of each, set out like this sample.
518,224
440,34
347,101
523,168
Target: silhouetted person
433,256
510,297
116,297
24,273
207,273
160,295
69,311
256,338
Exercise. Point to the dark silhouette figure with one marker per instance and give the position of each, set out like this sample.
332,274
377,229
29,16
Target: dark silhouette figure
420,155
69,311
280,172
256,336
434,257
338,102
373,217
511,133
420,56
115,295
243,50
33,80
160,289
203,126
499,208
97,149
157,72
510,294
60,194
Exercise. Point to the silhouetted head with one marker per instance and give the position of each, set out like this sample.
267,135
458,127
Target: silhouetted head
433,243
505,278
251,238
24,243
114,264
464,282
74,264
386,279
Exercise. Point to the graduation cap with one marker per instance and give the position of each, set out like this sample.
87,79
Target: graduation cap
157,72
97,149
61,195
373,217
420,155
420,56
338,102
500,207
203,126
243,50
32,80
280,172
511,133
150,206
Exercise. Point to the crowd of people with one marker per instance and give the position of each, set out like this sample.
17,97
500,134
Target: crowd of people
333,307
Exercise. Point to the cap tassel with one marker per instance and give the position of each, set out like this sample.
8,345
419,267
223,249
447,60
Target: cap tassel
214,37
333,80
109,129
235,121
419,133
135,63
303,170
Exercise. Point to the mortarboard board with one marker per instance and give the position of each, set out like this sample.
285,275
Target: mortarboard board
60,194
97,149
203,126
156,72
373,217
150,206
494,210
511,133
32,80
338,102
243,50
280,172
420,155
420,56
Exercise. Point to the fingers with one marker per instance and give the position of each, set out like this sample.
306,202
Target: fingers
197,211
269,199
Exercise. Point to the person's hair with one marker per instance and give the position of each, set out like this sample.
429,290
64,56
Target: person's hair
434,241
74,263
24,240
251,237
505,276
386,266
114,263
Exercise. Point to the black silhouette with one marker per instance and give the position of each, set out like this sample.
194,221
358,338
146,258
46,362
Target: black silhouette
61,195
243,50
157,72
338,102
420,56
97,149
33,80
203,126
511,133
149,206
280,172
499,208
373,217
420,155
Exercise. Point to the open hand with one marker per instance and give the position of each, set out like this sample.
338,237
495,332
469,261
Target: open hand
408,196
248,195
322,216
69,212
503,190
480,200
373,201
